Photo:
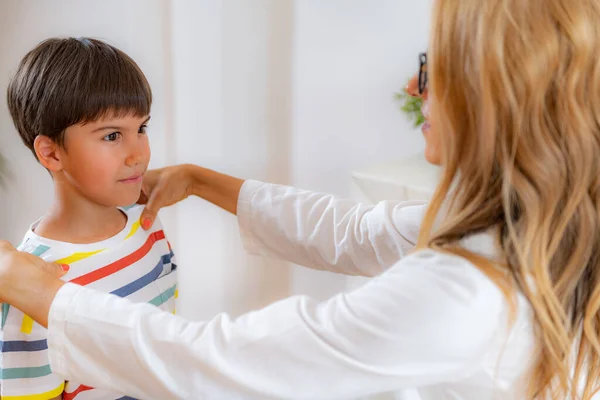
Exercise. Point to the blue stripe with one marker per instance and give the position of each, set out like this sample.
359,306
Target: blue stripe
144,280
126,398
22,345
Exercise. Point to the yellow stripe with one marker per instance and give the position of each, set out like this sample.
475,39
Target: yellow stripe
77,257
134,228
176,293
41,396
27,324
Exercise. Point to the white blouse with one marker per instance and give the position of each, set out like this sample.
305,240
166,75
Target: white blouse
427,320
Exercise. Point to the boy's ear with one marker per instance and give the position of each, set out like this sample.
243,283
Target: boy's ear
47,153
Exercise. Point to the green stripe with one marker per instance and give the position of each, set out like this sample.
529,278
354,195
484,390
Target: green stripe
19,373
5,307
41,249
164,296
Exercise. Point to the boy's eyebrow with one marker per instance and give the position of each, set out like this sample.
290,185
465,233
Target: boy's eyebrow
115,127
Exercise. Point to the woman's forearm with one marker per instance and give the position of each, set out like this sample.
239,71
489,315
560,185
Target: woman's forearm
217,188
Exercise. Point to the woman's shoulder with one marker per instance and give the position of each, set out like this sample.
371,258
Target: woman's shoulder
467,300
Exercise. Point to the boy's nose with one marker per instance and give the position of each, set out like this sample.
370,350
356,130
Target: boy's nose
135,157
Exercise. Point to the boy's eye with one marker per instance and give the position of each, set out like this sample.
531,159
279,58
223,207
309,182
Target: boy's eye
143,129
112,137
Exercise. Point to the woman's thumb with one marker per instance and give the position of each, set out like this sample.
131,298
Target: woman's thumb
54,269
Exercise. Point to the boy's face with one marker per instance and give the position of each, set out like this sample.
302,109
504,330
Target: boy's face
105,160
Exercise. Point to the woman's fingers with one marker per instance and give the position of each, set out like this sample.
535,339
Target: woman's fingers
153,205
6,246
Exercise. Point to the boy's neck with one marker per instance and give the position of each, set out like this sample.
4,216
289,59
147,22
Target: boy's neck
74,218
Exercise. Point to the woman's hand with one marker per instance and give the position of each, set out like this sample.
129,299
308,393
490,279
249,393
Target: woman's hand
167,186
162,188
28,282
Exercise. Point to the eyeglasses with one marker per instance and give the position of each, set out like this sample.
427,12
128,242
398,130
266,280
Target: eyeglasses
422,73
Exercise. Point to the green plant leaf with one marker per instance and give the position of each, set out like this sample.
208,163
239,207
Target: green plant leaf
411,107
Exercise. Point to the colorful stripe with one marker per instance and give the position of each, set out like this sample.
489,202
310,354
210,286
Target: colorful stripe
134,229
122,263
73,258
41,249
73,394
27,372
5,308
144,280
23,345
27,324
164,296
40,396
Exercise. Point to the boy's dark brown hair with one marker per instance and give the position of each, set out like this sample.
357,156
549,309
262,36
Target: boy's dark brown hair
62,82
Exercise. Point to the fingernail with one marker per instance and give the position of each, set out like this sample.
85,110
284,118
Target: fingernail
146,223
65,268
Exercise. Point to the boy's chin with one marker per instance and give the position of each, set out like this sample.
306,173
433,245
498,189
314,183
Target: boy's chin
129,200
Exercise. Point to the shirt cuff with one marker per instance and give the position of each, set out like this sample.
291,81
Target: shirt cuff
244,214
57,327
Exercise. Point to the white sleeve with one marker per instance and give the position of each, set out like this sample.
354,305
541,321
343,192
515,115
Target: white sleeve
428,319
321,231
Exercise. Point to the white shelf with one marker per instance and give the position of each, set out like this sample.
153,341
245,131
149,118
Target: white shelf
411,178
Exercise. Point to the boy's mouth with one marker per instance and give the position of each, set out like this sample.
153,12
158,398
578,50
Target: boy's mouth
133,179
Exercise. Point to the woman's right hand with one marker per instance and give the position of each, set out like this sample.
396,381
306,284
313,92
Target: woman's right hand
162,188
167,186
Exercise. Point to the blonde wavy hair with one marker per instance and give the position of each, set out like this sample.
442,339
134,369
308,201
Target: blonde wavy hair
515,90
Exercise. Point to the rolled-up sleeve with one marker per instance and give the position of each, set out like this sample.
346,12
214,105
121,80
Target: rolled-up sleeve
430,318
321,231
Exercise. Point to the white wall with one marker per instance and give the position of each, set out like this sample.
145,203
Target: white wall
350,57
231,67
291,91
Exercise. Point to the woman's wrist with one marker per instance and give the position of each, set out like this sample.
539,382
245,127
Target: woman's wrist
220,189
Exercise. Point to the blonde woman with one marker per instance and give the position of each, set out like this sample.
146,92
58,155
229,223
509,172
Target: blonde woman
489,292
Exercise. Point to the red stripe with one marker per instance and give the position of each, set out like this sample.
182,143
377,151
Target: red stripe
122,263
72,395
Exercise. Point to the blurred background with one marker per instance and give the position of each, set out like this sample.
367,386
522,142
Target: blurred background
297,92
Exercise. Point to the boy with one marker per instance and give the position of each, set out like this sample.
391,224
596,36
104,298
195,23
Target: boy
82,106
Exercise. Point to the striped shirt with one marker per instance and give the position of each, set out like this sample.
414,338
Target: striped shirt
135,263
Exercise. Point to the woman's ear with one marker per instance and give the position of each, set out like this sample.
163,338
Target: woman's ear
48,153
